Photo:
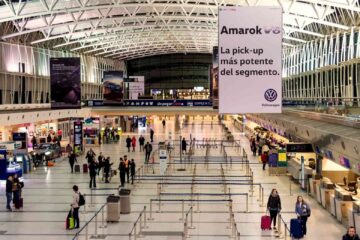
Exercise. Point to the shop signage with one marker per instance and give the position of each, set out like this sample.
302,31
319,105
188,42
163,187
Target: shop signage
65,76
250,52
78,136
154,103
299,148
21,138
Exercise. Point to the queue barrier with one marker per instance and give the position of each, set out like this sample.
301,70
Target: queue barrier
142,224
86,226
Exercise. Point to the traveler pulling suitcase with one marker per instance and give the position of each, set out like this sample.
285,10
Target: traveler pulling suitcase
85,168
265,222
296,228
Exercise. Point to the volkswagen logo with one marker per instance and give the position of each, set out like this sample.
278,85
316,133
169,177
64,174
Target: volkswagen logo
270,95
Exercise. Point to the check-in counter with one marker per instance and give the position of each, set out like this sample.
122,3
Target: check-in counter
326,191
332,205
318,190
343,202
354,219
294,166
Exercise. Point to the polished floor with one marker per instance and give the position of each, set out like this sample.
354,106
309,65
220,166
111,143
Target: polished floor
48,194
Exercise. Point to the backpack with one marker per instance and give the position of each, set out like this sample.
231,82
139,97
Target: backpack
81,200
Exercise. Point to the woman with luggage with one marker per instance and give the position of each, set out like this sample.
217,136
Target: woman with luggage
302,210
274,206
75,206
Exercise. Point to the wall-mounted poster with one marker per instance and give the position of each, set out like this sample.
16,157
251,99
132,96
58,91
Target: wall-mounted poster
250,59
113,86
215,78
65,76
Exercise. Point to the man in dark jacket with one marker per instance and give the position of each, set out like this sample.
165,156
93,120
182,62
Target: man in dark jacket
148,150
141,142
72,160
9,183
122,170
132,170
351,234
107,168
92,172
152,135
128,143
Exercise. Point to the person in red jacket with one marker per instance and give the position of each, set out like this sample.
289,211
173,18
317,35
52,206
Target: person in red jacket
264,159
133,143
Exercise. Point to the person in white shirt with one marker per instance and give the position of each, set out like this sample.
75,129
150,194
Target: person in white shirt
75,206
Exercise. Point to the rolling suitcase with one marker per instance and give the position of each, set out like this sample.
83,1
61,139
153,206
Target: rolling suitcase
77,168
19,203
296,228
265,222
85,168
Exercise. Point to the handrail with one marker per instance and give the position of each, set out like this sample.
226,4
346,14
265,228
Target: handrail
88,222
138,220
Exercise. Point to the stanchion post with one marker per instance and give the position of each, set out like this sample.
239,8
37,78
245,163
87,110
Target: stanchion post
198,203
262,196
150,217
86,232
192,218
103,218
290,189
182,210
247,202
96,226
91,197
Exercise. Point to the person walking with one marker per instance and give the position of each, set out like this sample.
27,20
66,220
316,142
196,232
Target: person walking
163,123
92,172
274,206
351,234
128,143
75,206
152,135
9,193
132,170
107,169
141,142
16,189
148,150
264,160
72,160
90,156
100,163
303,211
183,146
133,143
127,168
34,142
122,171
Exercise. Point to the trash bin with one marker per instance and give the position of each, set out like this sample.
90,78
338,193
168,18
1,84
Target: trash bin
113,208
125,207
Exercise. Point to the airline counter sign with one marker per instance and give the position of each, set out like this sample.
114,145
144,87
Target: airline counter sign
250,51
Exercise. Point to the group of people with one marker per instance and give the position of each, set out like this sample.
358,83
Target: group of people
261,146
13,191
302,209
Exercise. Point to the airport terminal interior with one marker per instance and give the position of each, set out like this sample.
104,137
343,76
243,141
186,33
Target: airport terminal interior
181,119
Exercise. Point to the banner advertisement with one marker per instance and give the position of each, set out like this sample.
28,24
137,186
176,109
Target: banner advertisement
136,87
215,78
154,103
78,136
65,77
113,89
250,51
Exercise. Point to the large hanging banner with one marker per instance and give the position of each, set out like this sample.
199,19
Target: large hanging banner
250,51
65,83
113,87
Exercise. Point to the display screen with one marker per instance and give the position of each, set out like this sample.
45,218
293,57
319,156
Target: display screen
78,135
299,148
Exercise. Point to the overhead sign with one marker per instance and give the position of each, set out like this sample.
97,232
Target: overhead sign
154,103
250,51
65,76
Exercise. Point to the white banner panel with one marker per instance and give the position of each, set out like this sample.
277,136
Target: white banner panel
250,45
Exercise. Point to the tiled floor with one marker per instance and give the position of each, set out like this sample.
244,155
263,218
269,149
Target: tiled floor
48,192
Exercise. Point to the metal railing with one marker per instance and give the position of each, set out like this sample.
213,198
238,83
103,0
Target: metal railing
86,226
141,221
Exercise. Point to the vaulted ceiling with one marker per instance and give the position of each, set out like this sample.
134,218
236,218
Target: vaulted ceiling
127,29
